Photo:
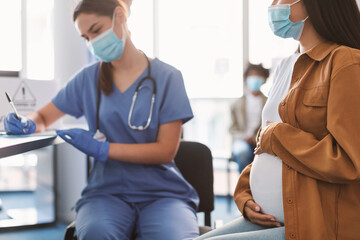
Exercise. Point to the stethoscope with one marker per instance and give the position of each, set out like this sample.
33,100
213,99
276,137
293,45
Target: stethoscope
138,88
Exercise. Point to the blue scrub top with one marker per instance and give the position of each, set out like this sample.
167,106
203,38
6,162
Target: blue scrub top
132,182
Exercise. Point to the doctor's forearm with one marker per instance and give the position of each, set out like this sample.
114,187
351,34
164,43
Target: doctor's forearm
159,152
39,121
46,116
147,153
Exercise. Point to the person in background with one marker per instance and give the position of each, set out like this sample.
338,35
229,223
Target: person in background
134,107
304,182
246,115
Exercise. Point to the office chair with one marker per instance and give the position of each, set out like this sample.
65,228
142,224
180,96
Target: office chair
194,161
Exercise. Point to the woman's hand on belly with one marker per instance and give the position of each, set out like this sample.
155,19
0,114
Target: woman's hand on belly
258,149
253,213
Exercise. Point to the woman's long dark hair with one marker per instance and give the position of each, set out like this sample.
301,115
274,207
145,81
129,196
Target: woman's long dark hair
337,21
101,8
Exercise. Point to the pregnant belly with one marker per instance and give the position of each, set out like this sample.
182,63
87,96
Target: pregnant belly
266,184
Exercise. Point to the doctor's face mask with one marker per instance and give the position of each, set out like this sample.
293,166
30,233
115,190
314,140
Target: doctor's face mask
107,46
280,23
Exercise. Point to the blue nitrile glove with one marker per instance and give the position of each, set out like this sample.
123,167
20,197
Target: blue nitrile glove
85,142
21,126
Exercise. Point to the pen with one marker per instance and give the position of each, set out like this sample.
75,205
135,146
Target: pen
12,105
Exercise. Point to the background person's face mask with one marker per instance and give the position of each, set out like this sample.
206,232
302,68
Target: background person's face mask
280,23
254,83
107,46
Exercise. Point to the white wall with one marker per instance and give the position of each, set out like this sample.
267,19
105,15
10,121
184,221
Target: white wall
70,55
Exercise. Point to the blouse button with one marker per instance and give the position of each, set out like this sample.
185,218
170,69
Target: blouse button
282,103
290,201
293,235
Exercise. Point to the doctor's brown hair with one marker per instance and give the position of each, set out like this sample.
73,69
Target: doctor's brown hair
337,21
101,8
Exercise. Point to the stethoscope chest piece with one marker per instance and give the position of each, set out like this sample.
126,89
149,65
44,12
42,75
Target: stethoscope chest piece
99,136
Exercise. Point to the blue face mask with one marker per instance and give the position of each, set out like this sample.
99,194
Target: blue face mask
254,83
280,23
107,46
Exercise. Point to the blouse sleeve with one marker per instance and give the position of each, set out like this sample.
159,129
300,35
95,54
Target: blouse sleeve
242,192
336,157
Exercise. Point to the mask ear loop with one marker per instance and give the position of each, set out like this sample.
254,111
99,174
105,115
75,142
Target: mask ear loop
295,2
113,20
122,27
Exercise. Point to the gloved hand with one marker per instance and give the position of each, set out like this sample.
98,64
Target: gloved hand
21,126
85,142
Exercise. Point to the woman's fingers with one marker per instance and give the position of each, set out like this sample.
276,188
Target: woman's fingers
268,223
259,216
257,149
262,219
253,212
253,205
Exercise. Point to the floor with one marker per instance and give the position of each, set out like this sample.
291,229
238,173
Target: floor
225,210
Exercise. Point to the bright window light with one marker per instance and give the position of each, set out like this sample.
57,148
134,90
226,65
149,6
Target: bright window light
203,39
10,40
264,46
141,25
40,42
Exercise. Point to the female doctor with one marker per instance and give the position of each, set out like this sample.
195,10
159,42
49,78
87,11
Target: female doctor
135,189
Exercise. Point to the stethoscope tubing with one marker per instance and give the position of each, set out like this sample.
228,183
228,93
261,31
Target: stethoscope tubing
138,87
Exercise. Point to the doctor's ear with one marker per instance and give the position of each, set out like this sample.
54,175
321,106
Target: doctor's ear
120,13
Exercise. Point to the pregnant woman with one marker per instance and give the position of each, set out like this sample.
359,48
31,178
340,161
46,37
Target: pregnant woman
266,186
304,182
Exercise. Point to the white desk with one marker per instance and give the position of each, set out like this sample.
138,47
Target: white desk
12,145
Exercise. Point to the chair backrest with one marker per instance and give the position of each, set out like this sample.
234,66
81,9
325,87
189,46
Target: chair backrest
194,161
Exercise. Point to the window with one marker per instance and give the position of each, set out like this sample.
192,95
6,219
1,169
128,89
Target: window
141,25
203,39
27,45
39,40
264,46
10,41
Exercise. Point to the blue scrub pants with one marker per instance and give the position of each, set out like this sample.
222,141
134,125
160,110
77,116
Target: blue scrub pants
109,217
243,154
241,229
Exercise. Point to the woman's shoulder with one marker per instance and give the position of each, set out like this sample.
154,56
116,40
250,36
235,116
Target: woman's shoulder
343,57
238,103
90,68
86,73
166,75
161,67
345,53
